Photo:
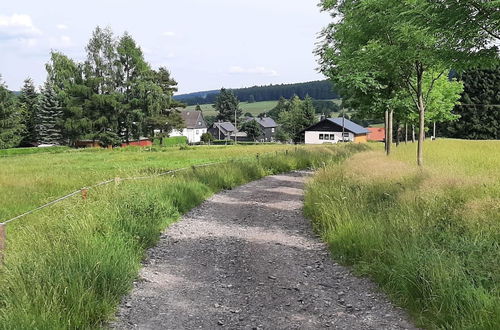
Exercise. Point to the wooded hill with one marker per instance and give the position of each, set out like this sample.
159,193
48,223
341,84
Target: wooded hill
318,90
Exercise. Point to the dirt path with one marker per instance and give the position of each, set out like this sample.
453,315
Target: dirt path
247,259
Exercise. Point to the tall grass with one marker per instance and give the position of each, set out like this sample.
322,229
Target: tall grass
68,266
431,238
29,180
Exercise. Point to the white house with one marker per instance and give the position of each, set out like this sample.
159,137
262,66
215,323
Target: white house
330,130
195,126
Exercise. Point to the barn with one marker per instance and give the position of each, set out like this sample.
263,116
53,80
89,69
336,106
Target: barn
330,130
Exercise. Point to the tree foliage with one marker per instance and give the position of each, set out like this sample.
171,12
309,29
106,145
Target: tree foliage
227,106
379,51
49,115
479,108
252,128
11,119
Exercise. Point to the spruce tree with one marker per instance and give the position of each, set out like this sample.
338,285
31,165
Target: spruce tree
11,126
49,114
226,105
479,110
28,100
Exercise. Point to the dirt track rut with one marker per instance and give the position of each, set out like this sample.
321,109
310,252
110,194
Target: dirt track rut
248,259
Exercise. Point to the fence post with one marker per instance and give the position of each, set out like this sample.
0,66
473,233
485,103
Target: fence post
3,242
84,193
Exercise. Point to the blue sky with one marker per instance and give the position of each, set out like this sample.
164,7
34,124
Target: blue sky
206,44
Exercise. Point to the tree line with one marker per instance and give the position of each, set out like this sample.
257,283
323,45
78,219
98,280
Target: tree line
318,90
390,59
113,96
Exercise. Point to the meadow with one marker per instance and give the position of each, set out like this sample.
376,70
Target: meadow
67,266
430,237
29,180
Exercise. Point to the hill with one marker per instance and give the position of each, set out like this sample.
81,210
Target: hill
318,90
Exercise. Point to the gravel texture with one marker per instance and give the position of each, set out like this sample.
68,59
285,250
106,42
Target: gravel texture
248,259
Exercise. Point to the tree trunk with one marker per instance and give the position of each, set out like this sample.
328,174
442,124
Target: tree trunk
421,115
406,133
434,131
412,133
390,130
398,135
386,128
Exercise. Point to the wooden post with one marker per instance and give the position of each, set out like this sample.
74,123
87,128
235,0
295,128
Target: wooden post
84,193
3,242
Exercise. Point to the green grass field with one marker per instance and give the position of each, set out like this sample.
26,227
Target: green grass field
27,181
430,238
254,108
67,266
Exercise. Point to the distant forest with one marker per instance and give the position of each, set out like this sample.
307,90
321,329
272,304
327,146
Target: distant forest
318,90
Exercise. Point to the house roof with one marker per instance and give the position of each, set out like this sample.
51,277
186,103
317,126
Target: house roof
376,134
266,122
225,126
348,125
193,119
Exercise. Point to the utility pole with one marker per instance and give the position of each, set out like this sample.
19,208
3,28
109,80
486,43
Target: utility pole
343,126
235,129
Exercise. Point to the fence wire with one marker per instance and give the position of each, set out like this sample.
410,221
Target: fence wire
79,191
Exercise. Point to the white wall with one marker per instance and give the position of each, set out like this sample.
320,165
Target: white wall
193,135
312,137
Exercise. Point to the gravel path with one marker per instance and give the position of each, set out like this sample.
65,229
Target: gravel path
248,259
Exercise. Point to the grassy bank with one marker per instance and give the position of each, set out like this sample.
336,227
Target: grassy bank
430,238
29,180
68,266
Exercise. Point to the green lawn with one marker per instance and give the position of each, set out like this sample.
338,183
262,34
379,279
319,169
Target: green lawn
430,237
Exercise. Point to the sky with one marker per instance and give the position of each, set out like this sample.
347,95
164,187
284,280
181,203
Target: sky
206,44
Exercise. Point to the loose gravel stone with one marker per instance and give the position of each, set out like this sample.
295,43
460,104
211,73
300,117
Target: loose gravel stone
248,259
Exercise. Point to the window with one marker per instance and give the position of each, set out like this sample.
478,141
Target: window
321,136
199,123
272,130
346,134
197,132
332,137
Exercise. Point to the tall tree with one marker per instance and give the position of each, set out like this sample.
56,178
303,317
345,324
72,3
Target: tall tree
227,106
404,42
100,68
28,99
11,119
252,128
297,116
479,107
49,115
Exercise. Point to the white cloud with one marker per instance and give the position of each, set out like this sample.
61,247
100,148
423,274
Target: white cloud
61,26
18,26
169,34
60,42
259,70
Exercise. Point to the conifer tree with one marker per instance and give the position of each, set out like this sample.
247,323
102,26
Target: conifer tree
227,105
11,125
49,115
479,108
28,100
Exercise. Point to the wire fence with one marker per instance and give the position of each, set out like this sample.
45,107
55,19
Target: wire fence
83,191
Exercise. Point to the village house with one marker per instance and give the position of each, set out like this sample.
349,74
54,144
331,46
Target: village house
268,126
376,134
225,131
195,126
330,130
